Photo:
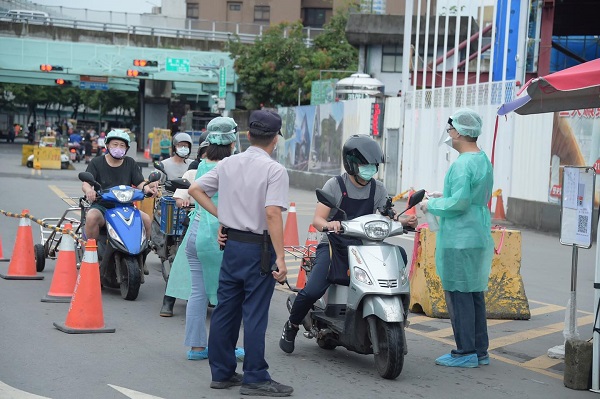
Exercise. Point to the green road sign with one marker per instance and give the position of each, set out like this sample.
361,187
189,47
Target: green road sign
177,65
222,82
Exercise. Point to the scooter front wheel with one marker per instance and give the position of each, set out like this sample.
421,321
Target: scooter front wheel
130,276
390,359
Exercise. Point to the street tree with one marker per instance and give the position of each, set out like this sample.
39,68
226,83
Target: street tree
279,63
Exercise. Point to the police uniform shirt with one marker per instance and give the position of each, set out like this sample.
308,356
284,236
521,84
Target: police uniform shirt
247,183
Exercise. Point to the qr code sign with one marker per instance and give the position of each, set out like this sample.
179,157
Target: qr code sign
582,224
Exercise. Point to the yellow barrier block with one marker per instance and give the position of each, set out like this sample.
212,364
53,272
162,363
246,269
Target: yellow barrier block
26,151
146,205
505,298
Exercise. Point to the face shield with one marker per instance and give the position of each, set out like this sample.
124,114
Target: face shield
445,136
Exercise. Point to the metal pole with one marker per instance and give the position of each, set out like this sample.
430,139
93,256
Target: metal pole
596,335
299,93
572,330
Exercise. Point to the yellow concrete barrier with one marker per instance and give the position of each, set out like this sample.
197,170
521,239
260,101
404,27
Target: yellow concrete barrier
505,298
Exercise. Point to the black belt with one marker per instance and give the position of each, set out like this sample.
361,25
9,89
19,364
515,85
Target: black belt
245,236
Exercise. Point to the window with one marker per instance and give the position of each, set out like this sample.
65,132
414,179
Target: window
235,6
193,11
391,58
262,14
314,17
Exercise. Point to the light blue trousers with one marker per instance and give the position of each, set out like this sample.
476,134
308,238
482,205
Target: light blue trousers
195,313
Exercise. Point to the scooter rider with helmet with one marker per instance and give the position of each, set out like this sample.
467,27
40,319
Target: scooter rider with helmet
113,169
357,193
177,164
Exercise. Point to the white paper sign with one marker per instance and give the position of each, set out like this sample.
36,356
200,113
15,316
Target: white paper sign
577,206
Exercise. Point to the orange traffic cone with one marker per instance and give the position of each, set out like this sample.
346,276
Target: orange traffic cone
147,153
499,213
311,247
85,313
290,233
65,272
2,258
411,211
22,264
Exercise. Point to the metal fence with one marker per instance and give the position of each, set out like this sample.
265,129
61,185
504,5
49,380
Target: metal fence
145,24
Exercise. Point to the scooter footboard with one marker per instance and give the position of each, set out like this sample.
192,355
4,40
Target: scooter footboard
387,308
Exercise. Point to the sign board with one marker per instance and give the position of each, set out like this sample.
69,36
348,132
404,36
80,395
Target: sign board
376,119
177,65
322,91
87,82
577,203
48,157
222,82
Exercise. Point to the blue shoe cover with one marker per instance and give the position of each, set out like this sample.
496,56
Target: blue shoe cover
484,361
448,360
239,354
198,355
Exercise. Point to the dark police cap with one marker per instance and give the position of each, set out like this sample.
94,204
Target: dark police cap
264,123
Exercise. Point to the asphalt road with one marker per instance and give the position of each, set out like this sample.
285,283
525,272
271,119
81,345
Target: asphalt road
145,357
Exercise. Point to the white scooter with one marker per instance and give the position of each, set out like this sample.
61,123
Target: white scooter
369,315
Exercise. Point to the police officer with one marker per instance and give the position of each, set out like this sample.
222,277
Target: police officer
253,192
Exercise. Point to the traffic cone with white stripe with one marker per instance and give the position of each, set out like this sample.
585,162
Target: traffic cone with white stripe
85,313
22,263
65,272
290,233
311,248
2,258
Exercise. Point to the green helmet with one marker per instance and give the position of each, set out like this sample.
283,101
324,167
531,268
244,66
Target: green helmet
117,134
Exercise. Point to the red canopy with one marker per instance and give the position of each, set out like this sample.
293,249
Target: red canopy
577,87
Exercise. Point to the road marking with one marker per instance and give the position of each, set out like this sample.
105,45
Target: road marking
130,393
61,194
541,362
8,392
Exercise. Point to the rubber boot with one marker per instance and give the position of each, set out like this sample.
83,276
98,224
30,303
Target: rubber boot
167,307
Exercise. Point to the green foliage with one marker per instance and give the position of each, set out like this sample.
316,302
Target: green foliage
272,69
33,96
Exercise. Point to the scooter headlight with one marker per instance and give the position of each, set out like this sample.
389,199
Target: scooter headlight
361,276
377,230
124,196
113,234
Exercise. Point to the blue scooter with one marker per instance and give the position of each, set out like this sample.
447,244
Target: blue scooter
122,242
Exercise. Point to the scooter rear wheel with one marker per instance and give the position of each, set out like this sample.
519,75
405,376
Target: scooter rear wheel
390,359
40,257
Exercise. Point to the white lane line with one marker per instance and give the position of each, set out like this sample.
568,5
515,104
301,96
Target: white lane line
130,393
8,392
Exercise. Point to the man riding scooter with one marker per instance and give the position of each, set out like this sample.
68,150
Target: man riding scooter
357,194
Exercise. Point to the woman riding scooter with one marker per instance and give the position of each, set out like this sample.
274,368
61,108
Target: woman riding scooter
357,194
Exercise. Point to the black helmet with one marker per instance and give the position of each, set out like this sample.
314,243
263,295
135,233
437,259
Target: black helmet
361,149
203,137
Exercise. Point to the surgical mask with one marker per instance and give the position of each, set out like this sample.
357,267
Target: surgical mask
366,172
183,152
117,153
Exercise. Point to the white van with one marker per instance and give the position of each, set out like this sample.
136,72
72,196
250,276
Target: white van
26,16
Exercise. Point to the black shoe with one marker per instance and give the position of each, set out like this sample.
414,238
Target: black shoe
288,336
267,388
235,380
167,307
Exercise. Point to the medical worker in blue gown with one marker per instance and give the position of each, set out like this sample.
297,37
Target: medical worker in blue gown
464,244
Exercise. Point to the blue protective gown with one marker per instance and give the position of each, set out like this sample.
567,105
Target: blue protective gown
464,244
207,249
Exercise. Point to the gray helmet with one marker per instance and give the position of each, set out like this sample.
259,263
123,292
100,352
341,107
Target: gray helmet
182,138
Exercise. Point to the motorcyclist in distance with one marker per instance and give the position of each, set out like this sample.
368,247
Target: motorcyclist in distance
114,169
357,193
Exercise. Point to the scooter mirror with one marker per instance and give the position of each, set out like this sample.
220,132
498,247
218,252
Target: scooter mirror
159,165
180,183
154,176
328,201
416,198
325,198
88,178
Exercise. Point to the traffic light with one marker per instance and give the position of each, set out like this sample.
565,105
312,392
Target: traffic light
174,119
48,68
145,63
134,73
62,82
